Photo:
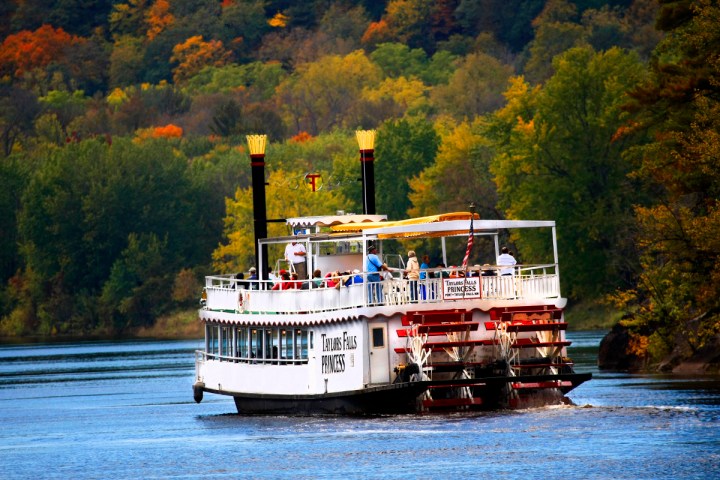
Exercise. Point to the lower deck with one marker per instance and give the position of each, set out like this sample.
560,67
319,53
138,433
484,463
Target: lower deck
452,355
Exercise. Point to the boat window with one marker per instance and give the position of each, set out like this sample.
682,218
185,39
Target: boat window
283,346
340,248
378,337
243,347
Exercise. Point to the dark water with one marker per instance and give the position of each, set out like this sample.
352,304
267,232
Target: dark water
125,410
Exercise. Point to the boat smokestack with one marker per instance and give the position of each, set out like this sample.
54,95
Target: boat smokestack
366,142
256,144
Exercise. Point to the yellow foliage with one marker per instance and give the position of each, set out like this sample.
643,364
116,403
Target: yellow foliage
409,94
194,54
638,345
279,20
285,198
117,97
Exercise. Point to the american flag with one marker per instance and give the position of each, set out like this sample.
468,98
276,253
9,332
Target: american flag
471,236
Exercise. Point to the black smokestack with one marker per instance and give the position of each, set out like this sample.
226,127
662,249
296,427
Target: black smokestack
257,164
366,141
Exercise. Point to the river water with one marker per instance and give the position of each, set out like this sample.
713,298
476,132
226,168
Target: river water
125,410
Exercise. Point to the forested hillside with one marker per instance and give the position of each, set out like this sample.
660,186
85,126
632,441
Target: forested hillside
125,173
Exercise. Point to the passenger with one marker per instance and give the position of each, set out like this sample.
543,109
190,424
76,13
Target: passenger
295,254
357,277
317,279
344,279
413,274
253,279
315,282
295,282
285,281
374,267
239,282
487,271
423,276
456,273
331,279
506,260
442,272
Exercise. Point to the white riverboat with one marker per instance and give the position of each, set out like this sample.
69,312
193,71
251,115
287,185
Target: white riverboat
456,339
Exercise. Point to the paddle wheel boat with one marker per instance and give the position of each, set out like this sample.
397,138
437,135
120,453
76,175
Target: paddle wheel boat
456,339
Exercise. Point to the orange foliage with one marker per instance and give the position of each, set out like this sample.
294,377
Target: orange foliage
195,54
301,137
158,18
227,3
168,131
27,50
376,32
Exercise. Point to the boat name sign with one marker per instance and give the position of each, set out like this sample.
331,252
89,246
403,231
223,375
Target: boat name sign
459,288
336,362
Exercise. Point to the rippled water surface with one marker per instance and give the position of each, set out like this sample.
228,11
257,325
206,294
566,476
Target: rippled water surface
125,410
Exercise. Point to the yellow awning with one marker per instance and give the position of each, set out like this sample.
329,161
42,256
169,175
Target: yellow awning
444,217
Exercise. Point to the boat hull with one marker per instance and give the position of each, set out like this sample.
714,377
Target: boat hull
389,399
492,393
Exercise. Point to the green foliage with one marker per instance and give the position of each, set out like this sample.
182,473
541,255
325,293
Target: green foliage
139,286
403,149
86,202
558,159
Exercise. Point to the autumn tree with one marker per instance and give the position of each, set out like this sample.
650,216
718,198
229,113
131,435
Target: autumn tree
158,18
675,303
474,88
323,95
286,197
195,54
459,175
26,55
556,30
558,158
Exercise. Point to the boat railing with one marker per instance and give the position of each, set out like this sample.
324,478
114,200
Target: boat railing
228,294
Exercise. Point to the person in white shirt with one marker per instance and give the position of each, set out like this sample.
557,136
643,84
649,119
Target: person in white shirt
506,260
295,253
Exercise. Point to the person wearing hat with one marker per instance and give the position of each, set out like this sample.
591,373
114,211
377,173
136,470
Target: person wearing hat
374,266
253,279
295,254
413,274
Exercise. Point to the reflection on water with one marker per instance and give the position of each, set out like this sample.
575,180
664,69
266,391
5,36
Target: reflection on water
125,410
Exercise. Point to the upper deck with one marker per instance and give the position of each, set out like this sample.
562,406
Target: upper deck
339,244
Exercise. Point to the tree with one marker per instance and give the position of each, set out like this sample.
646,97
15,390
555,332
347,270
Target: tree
83,206
556,31
195,54
459,175
398,60
403,149
286,197
558,158
26,52
18,109
674,303
323,95
474,88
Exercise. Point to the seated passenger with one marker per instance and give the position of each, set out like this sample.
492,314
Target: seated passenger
285,283
315,282
331,279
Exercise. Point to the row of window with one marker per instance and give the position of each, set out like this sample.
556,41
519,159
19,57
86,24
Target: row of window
271,345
